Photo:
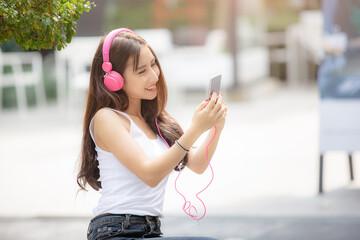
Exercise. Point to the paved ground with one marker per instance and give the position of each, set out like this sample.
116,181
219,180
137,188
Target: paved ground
265,186
339,219
231,228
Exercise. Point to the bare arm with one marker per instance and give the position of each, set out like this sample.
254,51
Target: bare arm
111,132
197,161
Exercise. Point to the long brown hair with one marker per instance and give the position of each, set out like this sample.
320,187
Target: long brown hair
124,46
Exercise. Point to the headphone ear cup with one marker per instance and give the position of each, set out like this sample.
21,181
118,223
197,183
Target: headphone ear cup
113,81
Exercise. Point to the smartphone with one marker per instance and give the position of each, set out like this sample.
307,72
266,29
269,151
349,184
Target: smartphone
214,85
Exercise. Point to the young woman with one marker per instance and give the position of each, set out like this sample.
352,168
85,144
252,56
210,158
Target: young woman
123,150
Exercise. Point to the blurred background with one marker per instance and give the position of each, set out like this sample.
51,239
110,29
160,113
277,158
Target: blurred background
286,165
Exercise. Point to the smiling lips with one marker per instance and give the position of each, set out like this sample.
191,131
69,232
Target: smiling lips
152,88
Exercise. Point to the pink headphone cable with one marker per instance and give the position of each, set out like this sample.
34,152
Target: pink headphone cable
187,205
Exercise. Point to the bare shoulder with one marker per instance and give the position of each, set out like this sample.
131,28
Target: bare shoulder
104,114
105,118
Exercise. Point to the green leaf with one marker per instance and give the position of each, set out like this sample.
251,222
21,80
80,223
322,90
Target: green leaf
40,24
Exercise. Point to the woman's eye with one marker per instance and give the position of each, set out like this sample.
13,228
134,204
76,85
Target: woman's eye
152,65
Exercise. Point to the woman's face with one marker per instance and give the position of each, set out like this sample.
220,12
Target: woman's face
141,83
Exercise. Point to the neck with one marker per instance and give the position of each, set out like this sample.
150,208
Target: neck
134,108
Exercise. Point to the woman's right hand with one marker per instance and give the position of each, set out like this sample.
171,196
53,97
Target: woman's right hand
208,113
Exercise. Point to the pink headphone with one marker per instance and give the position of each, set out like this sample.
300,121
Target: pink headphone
112,79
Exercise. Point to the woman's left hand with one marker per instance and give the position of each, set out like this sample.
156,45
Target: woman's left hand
221,122
220,112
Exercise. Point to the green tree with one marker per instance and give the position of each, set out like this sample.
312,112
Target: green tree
40,24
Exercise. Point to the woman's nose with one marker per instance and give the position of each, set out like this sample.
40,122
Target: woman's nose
155,73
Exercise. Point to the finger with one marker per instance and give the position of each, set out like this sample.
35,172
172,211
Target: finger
220,100
223,117
212,102
202,105
220,112
219,104
225,111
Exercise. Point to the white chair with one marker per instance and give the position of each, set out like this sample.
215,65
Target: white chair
191,67
72,66
26,70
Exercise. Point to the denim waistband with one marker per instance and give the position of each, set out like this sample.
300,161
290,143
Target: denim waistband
123,225
127,217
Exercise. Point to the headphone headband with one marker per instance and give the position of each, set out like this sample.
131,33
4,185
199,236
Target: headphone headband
106,66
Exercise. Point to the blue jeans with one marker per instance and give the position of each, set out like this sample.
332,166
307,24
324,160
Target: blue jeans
126,227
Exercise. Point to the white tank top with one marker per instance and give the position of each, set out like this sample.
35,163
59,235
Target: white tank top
122,191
